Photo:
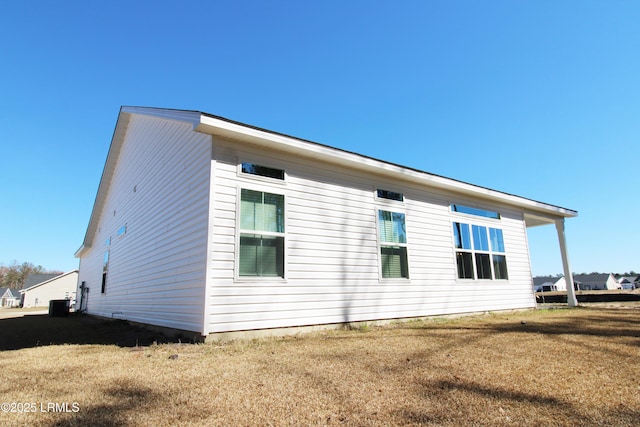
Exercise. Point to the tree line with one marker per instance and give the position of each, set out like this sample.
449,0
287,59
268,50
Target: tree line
630,273
15,275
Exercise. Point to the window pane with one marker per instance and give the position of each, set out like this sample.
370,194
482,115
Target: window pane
273,219
497,244
465,265
475,211
483,266
384,194
254,169
461,235
394,262
261,256
480,242
392,227
250,202
500,267
261,211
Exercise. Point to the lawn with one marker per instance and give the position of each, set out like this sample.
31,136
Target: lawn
574,367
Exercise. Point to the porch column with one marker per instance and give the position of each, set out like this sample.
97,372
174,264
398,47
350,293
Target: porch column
568,276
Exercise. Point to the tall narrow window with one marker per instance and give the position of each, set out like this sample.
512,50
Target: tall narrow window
105,269
261,234
481,247
499,258
393,245
464,255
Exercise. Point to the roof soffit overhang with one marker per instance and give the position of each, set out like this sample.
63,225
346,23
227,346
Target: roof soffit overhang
542,212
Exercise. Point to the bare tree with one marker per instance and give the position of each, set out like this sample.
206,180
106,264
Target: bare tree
15,275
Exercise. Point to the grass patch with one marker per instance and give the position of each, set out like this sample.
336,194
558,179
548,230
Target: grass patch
539,367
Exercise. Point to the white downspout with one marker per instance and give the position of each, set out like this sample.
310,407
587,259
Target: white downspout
568,276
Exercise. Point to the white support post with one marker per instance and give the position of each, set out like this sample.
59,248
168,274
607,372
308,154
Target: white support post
572,301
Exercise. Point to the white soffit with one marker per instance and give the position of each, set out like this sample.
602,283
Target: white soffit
238,131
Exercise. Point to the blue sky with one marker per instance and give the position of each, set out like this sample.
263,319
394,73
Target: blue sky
536,98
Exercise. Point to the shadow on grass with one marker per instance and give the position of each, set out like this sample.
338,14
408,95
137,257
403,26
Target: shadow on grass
41,330
590,322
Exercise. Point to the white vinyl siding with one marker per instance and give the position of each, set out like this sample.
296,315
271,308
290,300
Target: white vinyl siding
332,250
160,190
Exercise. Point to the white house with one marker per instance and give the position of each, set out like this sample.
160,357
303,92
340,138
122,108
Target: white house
593,282
547,284
38,293
629,282
9,297
212,226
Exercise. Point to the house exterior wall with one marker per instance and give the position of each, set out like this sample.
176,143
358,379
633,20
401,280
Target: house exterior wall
154,227
62,287
332,256
612,283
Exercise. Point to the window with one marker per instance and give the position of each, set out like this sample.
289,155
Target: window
393,245
390,195
474,211
253,169
105,268
479,252
261,234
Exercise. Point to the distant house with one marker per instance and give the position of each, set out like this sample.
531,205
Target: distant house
596,282
629,282
39,289
208,225
9,297
549,283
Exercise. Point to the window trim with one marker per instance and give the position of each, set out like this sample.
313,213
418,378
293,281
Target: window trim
240,231
381,244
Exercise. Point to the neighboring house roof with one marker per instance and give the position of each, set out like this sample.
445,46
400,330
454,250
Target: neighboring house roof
629,279
535,213
591,278
9,293
44,282
34,279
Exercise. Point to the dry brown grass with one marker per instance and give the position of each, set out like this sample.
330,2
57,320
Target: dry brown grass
555,367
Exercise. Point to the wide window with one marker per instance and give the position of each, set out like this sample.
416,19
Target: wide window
261,234
259,170
480,252
393,245
474,211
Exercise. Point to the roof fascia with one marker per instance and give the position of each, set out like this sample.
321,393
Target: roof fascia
60,276
222,127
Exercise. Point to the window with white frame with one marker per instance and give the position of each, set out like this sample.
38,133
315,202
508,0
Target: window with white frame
105,270
480,252
393,245
261,242
259,170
